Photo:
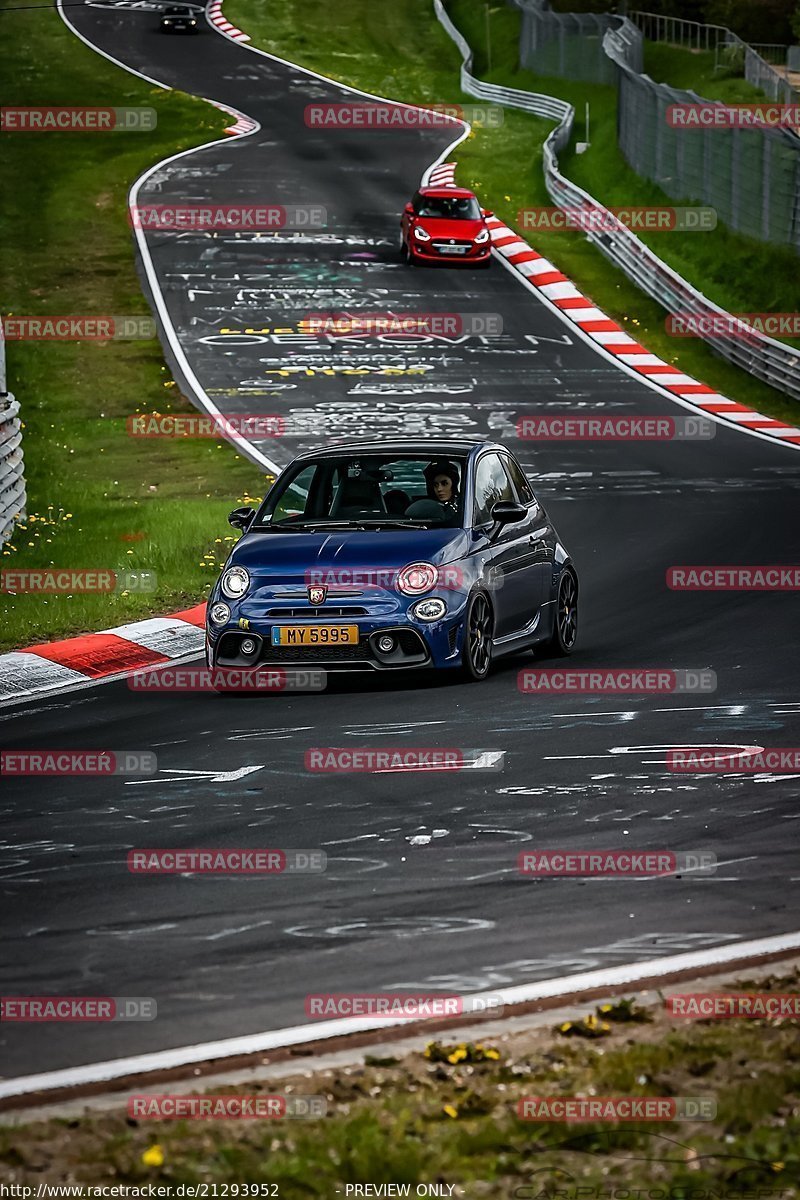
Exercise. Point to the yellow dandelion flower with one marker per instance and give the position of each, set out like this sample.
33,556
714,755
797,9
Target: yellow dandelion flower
153,1157
451,1112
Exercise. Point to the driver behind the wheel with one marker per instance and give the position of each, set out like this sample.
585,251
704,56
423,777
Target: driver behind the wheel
442,480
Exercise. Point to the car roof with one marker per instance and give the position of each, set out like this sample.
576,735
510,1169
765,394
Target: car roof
426,448
458,192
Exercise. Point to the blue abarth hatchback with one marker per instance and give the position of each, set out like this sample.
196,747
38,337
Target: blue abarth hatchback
391,555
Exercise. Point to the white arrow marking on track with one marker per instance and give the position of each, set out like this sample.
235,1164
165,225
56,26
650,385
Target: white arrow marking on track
186,776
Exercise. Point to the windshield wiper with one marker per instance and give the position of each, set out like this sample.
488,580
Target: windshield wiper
321,523
379,522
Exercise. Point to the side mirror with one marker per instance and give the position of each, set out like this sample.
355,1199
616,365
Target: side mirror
409,208
240,518
486,212
506,512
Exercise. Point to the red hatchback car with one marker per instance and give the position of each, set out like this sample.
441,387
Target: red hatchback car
445,224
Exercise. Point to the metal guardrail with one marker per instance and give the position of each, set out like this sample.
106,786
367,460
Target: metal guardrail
767,359
12,477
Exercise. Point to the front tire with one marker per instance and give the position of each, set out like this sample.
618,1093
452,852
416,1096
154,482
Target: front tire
565,626
476,656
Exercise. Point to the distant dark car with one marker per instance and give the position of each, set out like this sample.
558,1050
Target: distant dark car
389,555
178,18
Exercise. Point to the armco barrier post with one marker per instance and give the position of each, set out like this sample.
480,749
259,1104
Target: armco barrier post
12,467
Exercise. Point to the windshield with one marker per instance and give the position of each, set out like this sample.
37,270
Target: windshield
452,208
366,492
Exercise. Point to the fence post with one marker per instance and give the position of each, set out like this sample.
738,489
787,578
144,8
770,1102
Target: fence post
12,477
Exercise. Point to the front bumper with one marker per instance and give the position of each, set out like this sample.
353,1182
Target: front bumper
417,645
430,252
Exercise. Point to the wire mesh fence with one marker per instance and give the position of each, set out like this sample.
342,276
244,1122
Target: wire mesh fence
566,45
750,175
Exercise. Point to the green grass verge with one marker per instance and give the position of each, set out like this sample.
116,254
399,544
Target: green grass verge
400,51
693,70
450,1117
97,498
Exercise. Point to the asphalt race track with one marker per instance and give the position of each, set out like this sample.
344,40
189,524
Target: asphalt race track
421,888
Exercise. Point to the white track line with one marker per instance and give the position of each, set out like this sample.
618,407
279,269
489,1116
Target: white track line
256,1043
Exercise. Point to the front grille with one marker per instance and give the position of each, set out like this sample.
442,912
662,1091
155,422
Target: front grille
278,654
330,610
447,242
410,642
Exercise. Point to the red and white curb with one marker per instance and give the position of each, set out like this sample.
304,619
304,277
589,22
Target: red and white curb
222,24
242,124
60,666
593,322
214,13
440,175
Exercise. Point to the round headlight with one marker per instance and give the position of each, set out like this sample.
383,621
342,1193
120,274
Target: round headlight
235,582
219,614
429,610
417,578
